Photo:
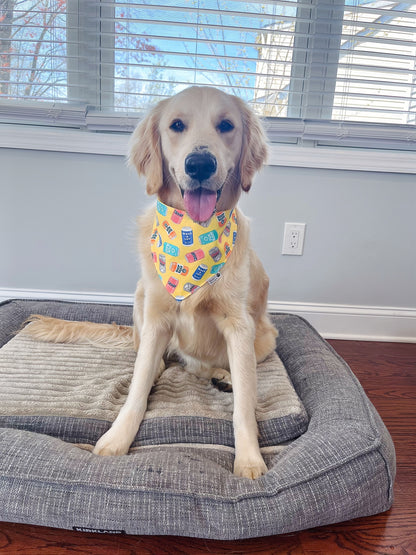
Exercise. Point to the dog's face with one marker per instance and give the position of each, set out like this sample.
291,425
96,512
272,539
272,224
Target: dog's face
201,139
198,149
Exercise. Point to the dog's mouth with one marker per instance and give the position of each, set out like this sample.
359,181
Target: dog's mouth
200,203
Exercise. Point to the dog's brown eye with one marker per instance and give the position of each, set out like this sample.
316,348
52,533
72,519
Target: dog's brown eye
178,126
225,126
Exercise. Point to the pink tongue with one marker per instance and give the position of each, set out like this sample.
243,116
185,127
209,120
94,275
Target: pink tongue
200,204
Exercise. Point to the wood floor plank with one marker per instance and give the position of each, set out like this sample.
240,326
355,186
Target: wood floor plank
32,540
376,537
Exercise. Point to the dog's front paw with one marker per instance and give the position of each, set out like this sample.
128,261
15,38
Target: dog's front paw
249,468
109,445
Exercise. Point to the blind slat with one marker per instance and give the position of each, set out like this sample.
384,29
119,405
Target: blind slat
358,95
249,28
198,54
197,10
273,46
186,6
365,85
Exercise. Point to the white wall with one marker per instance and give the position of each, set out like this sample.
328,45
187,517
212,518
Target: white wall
67,223
69,220
358,245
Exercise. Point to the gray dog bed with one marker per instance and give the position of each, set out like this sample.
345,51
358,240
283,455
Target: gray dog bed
329,455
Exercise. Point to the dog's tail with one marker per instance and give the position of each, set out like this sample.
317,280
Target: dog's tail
53,330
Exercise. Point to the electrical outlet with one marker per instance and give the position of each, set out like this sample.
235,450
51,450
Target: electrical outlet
293,239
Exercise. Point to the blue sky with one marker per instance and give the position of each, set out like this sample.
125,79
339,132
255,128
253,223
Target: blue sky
201,53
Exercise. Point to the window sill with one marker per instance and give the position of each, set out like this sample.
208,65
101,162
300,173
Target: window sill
112,144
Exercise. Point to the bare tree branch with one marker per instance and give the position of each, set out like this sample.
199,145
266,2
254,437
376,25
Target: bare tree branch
6,18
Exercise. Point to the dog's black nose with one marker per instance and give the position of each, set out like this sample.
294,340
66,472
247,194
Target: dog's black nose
200,165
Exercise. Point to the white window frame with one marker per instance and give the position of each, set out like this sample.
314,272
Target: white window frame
295,156
320,143
319,55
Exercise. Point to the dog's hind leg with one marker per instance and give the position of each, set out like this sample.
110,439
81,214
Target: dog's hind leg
221,379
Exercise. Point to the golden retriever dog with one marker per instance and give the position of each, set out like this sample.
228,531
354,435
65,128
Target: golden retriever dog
197,150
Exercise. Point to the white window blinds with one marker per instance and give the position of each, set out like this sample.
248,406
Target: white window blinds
41,55
317,69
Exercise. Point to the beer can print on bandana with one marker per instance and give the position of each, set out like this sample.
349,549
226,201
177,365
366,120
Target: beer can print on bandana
188,255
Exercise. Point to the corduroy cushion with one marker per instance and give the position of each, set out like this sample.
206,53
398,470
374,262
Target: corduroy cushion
341,467
74,392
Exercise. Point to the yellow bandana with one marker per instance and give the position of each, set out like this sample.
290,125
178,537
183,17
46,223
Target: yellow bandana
186,254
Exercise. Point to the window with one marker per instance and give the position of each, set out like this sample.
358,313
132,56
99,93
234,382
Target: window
319,70
33,50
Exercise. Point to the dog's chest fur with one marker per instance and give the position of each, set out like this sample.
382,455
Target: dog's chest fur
195,336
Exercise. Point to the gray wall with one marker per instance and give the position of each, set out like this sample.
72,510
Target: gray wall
67,223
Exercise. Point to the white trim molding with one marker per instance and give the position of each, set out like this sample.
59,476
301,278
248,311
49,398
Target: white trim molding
343,158
52,139
70,296
362,323
333,321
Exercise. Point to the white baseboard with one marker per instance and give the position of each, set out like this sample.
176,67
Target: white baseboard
72,296
333,321
362,323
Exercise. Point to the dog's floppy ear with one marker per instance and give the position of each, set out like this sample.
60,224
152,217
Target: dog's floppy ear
145,151
254,149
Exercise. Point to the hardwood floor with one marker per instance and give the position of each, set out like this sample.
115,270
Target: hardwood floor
387,372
